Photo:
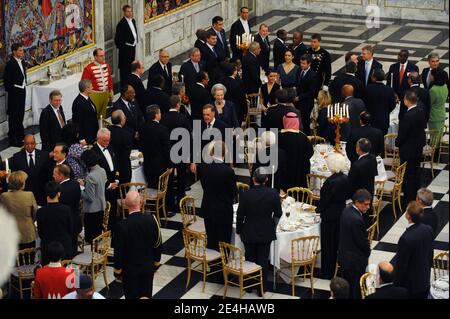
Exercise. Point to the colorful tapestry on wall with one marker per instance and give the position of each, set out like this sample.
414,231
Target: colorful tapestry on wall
157,8
48,29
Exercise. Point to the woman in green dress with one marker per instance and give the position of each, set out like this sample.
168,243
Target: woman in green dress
438,97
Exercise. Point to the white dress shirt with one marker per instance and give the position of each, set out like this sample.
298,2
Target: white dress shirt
33,155
19,61
108,157
165,70
245,25
368,66
133,30
55,110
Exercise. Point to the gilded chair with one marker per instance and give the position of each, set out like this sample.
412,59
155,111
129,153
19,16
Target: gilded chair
440,265
444,145
315,183
242,187
336,269
26,262
141,188
155,200
391,155
376,203
234,265
189,218
94,262
429,149
252,109
394,188
304,254
315,139
367,284
301,194
371,232
106,216
196,251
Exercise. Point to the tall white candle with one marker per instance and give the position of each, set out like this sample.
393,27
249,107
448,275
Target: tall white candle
101,121
328,111
7,165
392,80
273,176
346,110
182,78
237,40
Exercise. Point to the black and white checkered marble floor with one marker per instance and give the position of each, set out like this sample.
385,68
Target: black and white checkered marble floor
340,34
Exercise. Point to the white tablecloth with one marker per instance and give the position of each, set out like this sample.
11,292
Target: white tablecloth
439,288
68,88
137,168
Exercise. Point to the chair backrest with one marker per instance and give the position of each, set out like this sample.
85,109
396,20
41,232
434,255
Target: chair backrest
363,284
304,249
252,100
315,183
371,232
194,244
400,174
242,187
440,265
232,257
433,138
100,246
389,141
187,209
26,257
163,182
106,216
379,188
301,194
126,187
315,139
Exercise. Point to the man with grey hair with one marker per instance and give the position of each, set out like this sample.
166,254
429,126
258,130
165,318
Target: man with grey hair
425,199
122,142
84,113
422,94
163,67
251,70
134,79
190,68
433,62
363,171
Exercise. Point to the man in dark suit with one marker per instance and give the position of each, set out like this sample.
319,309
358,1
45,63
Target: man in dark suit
15,81
212,59
35,163
298,47
342,79
210,121
321,60
60,153
363,171
235,90
279,48
423,95
380,101
251,74
386,290
275,114
430,218
264,42
70,195
237,29
191,68
84,113
122,142
162,67
156,93
355,106
257,218
367,65
414,254
307,89
397,76
374,135
433,62
199,96
354,248
134,79
222,43
410,141
200,43
137,250
54,222
133,114
155,145
126,39
52,121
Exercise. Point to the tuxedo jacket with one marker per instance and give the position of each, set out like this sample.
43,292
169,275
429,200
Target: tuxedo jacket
135,119
111,175
224,51
13,75
264,55
189,73
380,102
70,196
307,89
362,174
124,35
251,75
298,52
393,78
50,128
84,115
374,135
237,29
198,96
156,68
158,97
122,142
334,193
411,135
279,49
142,96
212,65
361,70
389,292
335,87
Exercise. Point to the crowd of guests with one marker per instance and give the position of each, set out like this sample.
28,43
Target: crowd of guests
83,161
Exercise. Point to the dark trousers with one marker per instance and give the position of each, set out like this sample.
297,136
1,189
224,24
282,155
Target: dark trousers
138,283
411,181
305,113
420,295
259,254
126,57
92,225
16,112
217,231
352,275
112,196
175,195
329,243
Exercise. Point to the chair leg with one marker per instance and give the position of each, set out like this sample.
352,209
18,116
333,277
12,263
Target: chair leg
399,201
20,288
261,283
393,205
241,286
311,277
293,279
204,266
336,270
225,277
104,275
189,273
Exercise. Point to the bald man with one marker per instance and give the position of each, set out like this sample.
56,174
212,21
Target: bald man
163,67
137,250
355,106
386,288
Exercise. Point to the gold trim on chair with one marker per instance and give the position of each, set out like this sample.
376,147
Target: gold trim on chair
189,217
394,189
24,270
440,265
365,289
241,187
444,144
124,188
106,216
391,153
371,232
376,203
252,109
315,183
157,197
315,139
304,254
301,194
430,148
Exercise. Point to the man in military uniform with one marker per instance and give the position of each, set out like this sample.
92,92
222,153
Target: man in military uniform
321,60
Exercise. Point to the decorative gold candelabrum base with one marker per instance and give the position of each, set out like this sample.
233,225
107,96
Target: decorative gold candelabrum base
243,47
338,120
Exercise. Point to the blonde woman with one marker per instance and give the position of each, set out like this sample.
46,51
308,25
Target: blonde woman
324,128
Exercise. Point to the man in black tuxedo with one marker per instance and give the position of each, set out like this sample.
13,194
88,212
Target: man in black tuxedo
354,248
70,195
380,101
279,48
191,68
364,169
410,141
433,62
251,71
52,121
122,142
155,145
425,199
237,29
200,43
35,163
199,96
355,106
257,217
133,114
397,76
179,89
366,130
275,114
15,81
235,90
335,87
307,89
367,65
156,93
386,290
137,250
321,60
423,95
162,67
298,47
134,79
126,39
264,42
108,161
414,254
84,113
210,121
212,59
222,43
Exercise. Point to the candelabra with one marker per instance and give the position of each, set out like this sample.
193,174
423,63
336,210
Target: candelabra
338,114
243,42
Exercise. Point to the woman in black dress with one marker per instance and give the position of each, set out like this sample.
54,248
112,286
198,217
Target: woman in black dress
268,91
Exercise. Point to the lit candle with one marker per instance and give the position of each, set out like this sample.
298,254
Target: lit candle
7,165
182,78
346,108
273,176
392,80
101,121
328,111
237,40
